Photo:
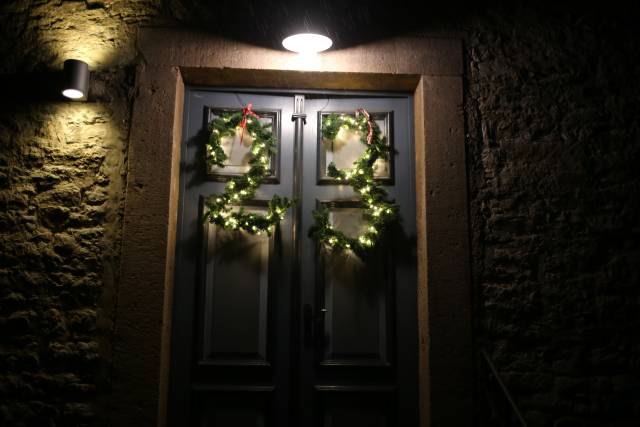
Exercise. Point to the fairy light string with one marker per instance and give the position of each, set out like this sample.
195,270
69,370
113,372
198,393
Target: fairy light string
220,207
378,212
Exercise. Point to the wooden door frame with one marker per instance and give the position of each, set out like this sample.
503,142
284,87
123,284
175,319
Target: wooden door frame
429,66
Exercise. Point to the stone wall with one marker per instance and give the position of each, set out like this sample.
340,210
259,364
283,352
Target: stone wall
553,107
552,116
62,180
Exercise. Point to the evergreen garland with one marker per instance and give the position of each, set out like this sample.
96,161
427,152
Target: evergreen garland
378,212
238,189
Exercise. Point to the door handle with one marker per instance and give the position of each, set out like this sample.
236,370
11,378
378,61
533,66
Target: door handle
307,319
312,324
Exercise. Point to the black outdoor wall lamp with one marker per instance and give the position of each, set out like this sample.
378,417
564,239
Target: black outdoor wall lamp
75,79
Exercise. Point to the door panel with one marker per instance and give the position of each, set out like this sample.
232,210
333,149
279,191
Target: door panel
347,148
272,332
367,338
356,293
351,406
234,408
237,148
231,303
236,300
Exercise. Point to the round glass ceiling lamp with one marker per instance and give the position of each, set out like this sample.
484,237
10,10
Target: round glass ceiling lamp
307,43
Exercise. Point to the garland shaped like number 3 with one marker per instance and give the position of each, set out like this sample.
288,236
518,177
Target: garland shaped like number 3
219,210
378,212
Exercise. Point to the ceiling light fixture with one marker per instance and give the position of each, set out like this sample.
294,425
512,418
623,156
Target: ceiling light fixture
307,43
76,79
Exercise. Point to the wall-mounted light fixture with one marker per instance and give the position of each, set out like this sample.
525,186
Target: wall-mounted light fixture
307,43
76,79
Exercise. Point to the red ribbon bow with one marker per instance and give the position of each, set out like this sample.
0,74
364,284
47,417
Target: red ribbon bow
366,114
246,111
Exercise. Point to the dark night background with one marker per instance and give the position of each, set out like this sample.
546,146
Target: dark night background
552,110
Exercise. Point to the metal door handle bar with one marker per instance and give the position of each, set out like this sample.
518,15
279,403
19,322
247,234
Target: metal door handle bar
312,324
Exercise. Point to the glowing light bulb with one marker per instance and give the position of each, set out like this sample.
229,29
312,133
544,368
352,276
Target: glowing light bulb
307,43
73,93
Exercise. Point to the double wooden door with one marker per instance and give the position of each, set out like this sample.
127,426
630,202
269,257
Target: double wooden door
273,330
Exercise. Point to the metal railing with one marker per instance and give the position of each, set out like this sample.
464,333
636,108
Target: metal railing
507,419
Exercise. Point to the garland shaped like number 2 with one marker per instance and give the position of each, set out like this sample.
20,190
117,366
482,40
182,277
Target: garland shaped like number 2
378,212
238,189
